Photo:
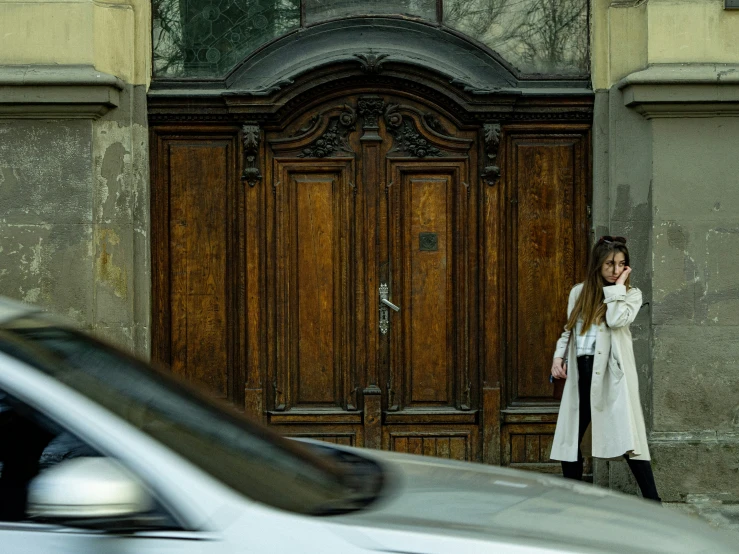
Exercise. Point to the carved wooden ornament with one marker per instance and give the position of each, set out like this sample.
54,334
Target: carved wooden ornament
251,173
491,172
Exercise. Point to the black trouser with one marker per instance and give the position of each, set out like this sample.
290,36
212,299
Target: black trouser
642,469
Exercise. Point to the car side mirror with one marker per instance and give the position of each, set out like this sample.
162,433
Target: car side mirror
88,492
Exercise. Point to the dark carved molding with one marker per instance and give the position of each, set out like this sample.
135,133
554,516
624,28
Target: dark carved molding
510,110
491,172
406,137
463,108
434,124
371,63
271,110
251,173
174,116
334,138
537,114
388,82
370,108
309,126
164,115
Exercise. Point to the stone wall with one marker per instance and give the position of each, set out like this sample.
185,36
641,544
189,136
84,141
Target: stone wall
74,173
666,176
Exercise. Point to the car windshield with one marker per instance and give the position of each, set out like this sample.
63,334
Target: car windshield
243,455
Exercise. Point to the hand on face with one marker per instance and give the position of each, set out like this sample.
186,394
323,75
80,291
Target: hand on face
624,275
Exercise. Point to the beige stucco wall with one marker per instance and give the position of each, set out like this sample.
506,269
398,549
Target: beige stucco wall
619,40
692,31
628,35
111,35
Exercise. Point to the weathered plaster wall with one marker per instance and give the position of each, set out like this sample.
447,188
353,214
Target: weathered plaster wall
74,196
46,214
696,304
120,191
667,159
622,206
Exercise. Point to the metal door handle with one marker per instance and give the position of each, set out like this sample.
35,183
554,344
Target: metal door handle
384,305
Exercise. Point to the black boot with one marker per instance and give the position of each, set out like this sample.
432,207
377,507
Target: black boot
642,470
573,470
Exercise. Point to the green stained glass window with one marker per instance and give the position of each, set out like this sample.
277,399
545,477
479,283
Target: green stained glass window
321,10
208,38
535,36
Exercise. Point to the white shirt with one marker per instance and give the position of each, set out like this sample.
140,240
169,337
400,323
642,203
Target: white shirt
585,343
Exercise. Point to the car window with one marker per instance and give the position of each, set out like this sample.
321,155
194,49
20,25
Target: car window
31,443
243,455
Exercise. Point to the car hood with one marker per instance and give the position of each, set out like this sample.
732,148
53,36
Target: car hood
429,497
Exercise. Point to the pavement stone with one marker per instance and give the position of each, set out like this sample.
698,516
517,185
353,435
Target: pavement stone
721,515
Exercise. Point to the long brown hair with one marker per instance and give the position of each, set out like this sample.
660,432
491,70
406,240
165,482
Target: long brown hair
590,306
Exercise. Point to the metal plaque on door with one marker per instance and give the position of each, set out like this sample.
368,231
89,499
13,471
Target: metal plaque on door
428,242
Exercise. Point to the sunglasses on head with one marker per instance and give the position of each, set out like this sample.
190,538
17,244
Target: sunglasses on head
608,239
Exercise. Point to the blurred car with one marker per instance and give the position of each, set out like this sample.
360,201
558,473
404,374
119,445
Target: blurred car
102,453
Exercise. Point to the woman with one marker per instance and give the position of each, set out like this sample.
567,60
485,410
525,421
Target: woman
600,370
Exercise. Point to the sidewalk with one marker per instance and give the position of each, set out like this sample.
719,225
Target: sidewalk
718,514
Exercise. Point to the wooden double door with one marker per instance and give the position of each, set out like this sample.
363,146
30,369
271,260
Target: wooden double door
372,272
371,244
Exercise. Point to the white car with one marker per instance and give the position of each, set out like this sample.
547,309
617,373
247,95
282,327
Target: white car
103,454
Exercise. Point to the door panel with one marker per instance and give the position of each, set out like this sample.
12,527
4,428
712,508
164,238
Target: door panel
316,242
309,224
548,194
431,408
543,242
199,264
528,446
427,218
346,435
194,268
429,365
359,202
457,444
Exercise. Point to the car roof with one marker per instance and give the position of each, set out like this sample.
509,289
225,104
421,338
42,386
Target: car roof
13,309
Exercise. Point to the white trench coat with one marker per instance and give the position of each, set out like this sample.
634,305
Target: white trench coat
617,418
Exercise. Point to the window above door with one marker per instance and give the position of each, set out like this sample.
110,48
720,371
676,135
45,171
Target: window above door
207,39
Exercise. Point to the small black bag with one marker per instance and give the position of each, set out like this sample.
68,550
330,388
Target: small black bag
559,387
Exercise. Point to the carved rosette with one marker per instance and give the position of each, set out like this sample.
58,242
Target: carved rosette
251,173
370,108
406,137
491,172
334,138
